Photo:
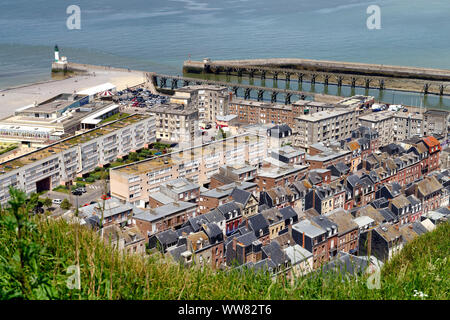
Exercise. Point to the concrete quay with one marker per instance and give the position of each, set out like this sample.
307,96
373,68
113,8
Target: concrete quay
426,80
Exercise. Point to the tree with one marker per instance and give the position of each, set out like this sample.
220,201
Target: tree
47,202
33,201
133,156
65,204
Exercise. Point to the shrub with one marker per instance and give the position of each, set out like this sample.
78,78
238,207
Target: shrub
65,204
90,179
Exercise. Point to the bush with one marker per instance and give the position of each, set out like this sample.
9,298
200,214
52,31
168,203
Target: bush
96,175
133,156
80,184
65,204
79,179
90,179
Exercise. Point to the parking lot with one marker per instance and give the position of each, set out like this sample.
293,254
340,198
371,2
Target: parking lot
140,98
93,192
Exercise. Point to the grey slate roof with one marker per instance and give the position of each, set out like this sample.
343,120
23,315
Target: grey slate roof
177,251
275,253
353,180
226,190
325,223
240,196
288,212
419,228
212,230
214,216
258,222
413,200
227,208
264,265
380,203
165,210
345,263
387,214
161,197
167,236
247,239
341,167
308,229
186,229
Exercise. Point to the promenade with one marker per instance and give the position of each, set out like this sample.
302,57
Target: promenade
17,97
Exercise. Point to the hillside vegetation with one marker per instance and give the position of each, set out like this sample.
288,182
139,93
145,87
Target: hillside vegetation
36,252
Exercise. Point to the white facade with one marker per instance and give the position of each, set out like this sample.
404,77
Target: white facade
55,167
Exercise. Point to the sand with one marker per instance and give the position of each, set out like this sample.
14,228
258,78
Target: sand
17,97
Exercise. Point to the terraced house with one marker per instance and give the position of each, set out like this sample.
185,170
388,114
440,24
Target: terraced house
62,162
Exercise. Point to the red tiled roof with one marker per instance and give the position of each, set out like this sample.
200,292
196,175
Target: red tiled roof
431,142
353,145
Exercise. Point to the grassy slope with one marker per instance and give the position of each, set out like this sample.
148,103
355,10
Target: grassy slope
105,274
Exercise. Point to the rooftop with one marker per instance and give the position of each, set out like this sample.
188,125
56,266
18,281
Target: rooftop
323,115
68,143
164,211
307,228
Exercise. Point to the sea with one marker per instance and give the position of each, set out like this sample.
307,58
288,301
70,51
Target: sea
158,35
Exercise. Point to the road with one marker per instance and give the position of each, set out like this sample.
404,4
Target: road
93,193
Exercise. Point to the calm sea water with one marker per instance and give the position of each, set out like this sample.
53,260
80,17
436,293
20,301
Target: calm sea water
158,35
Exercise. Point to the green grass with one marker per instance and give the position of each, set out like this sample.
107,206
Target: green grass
107,274
63,189
116,116
6,147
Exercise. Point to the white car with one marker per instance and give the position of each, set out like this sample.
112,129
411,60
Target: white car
56,201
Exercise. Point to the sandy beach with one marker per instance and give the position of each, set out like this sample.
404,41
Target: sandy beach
17,97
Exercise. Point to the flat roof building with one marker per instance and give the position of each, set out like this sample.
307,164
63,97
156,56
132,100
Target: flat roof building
324,126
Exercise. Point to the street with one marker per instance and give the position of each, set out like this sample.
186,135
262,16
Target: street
94,192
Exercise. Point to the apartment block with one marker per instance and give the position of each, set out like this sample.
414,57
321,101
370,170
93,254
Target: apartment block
253,112
210,101
135,182
62,162
383,123
407,125
324,126
436,122
175,123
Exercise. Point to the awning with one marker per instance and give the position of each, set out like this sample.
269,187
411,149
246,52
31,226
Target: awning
106,93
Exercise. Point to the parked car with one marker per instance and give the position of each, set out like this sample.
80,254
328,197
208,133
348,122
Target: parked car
77,192
56,201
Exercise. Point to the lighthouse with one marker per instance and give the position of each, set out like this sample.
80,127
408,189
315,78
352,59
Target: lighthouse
60,63
56,53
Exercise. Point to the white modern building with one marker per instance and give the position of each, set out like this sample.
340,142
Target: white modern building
62,162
